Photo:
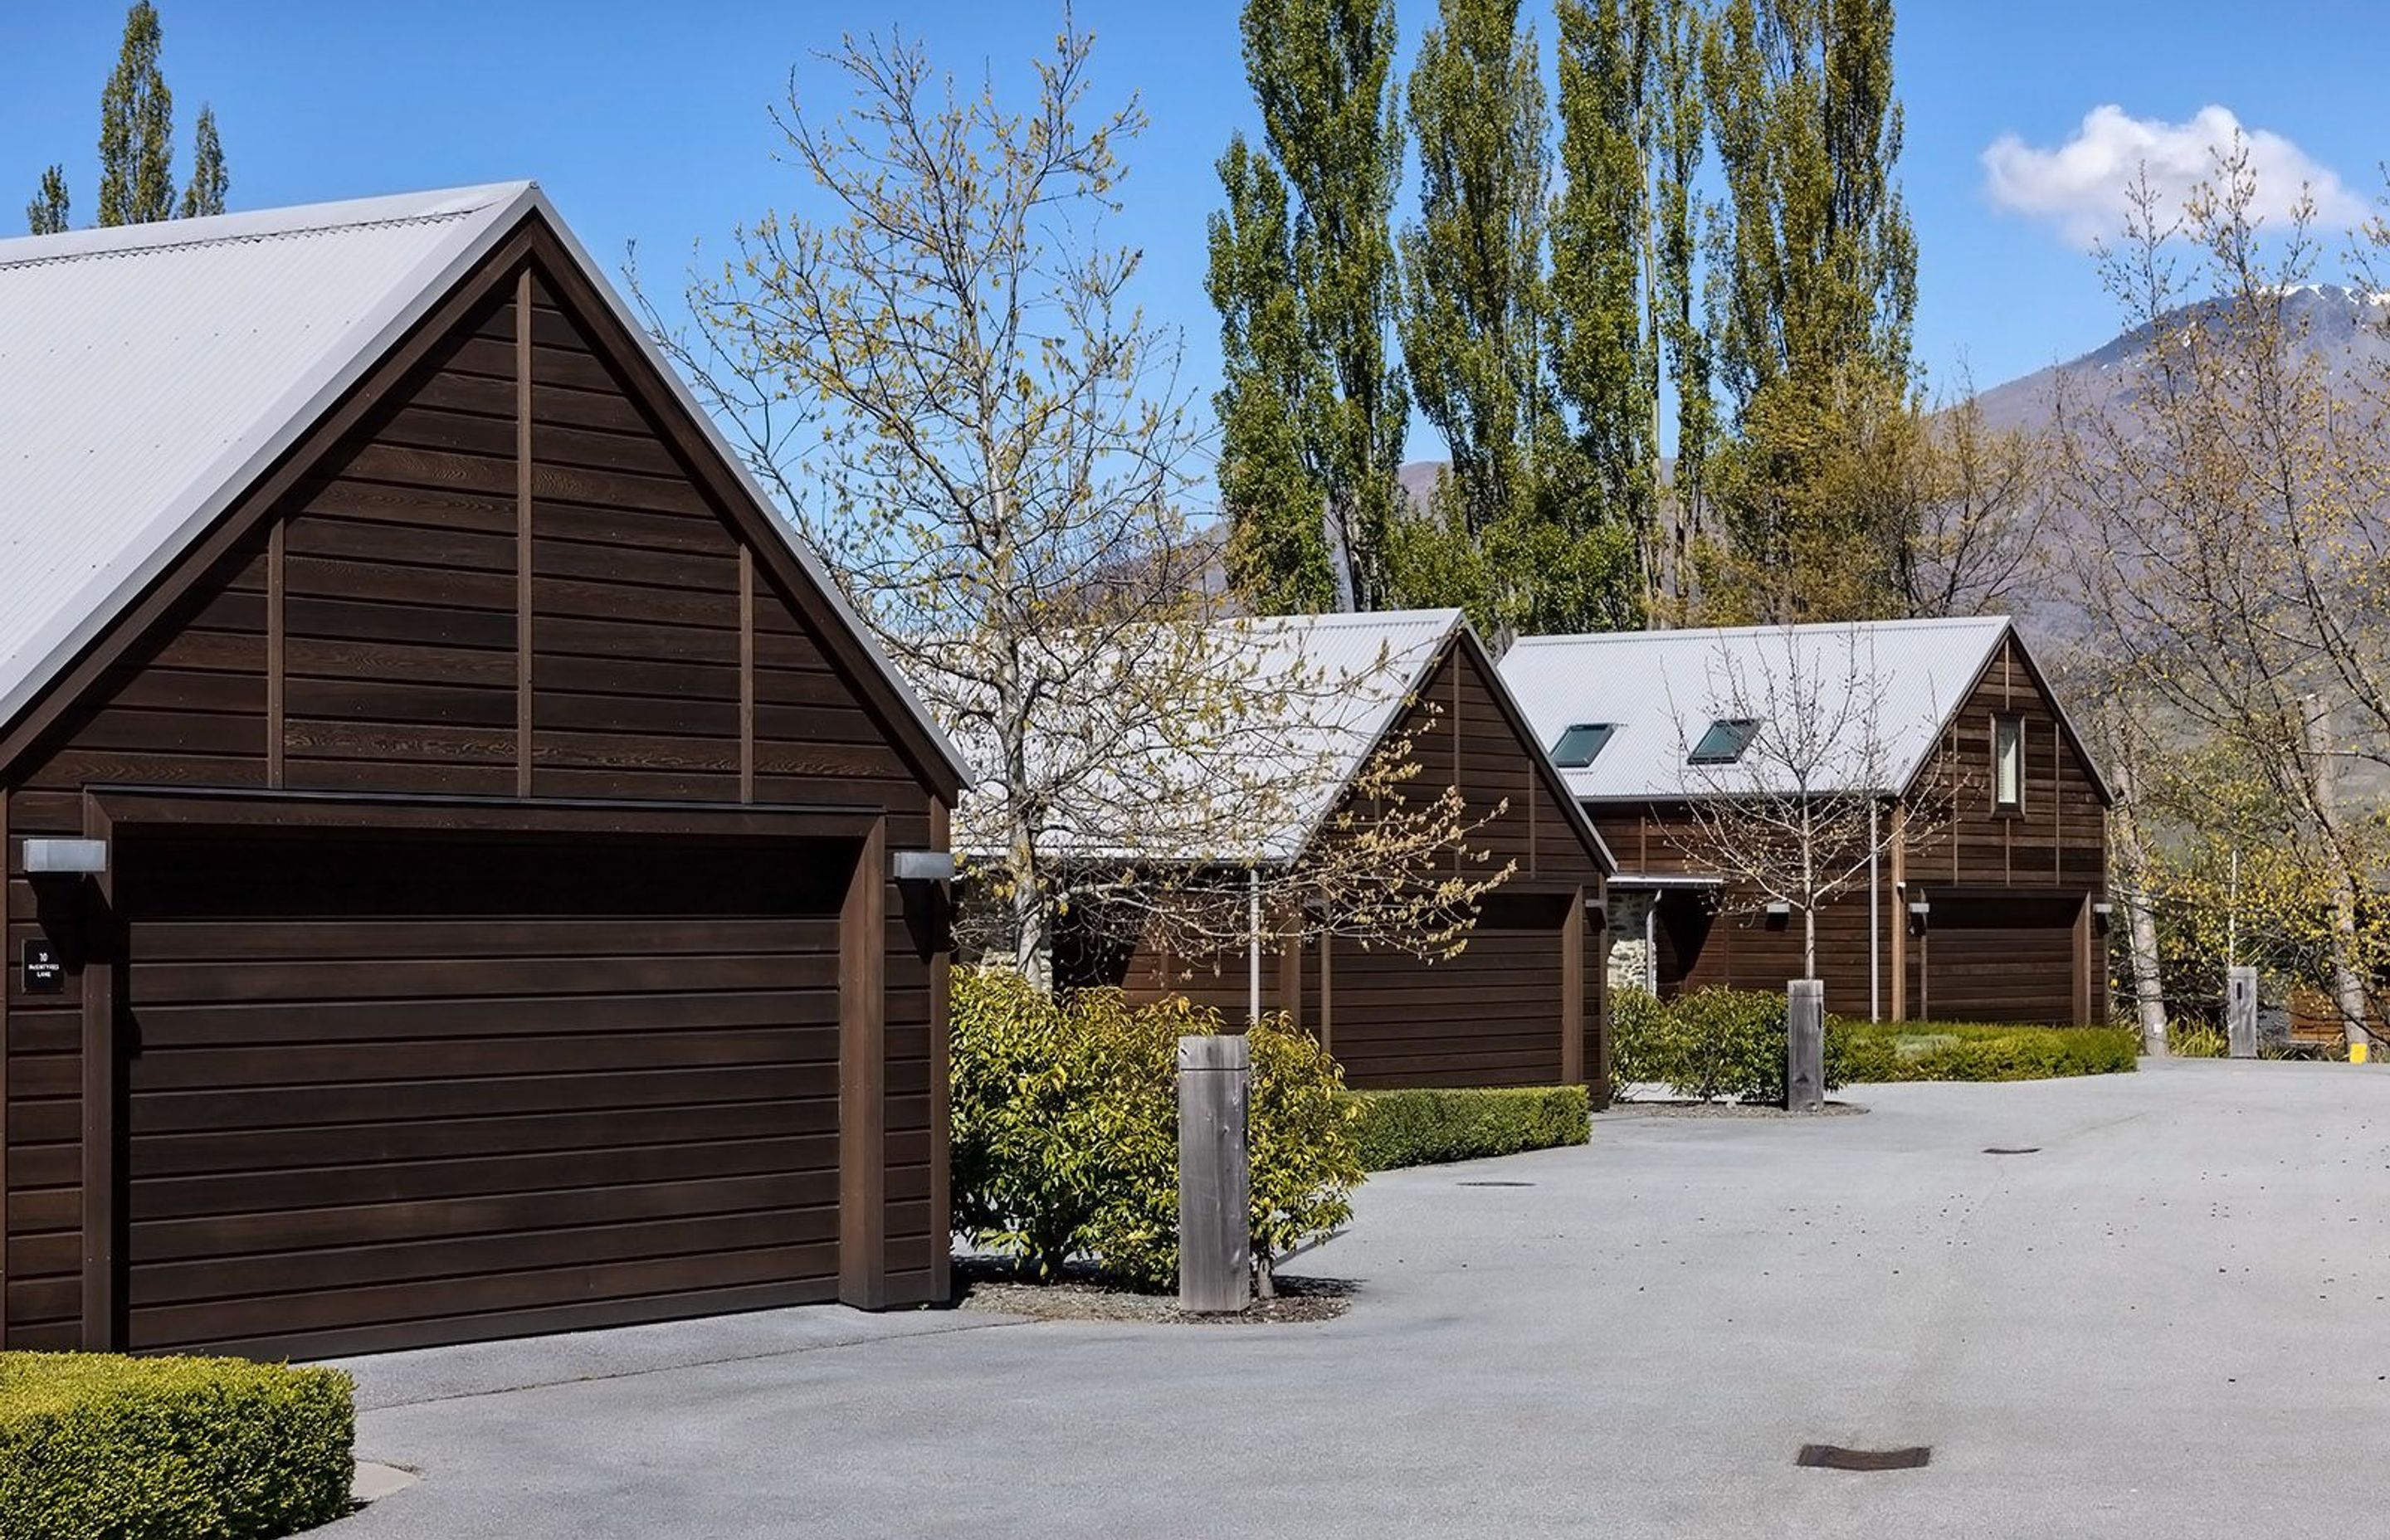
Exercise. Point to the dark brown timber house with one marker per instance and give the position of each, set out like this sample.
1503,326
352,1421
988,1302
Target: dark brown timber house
467,872
1996,914
1525,1002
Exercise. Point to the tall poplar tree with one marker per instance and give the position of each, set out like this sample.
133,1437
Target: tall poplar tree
47,215
1313,411
1475,295
1625,330
1816,256
1604,357
136,129
136,144
205,194
1816,270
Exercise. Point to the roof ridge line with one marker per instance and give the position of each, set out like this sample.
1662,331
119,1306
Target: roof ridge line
236,238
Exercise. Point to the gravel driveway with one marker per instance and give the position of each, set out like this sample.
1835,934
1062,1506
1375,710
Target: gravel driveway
2169,1319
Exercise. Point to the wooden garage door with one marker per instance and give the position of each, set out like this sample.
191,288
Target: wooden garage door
385,1094
2000,959
1489,1017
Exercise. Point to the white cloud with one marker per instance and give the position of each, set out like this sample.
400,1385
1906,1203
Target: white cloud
2084,185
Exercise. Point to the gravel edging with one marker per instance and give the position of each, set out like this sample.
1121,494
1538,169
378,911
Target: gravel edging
1720,1109
1299,1300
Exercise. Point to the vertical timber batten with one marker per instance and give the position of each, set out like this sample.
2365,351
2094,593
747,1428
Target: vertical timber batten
747,682
862,1078
95,950
276,654
942,1239
522,533
1572,990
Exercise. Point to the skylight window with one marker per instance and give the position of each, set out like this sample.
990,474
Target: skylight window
1725,742
1580,744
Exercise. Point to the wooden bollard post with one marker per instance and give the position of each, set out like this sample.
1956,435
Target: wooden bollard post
1805,1045
2241,1011
1216,1271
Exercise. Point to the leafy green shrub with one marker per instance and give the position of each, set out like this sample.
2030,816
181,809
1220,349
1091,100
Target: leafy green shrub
1299,1132
1065,1128
1709,1043
94,1444
1878,1051
1638,1050
2197,1040
1413,1128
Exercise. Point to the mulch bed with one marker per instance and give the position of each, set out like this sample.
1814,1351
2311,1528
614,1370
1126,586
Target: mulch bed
1079,1296
1722,1109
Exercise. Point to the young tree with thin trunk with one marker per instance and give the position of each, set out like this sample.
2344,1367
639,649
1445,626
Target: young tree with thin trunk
1313,409
1797,809
938,368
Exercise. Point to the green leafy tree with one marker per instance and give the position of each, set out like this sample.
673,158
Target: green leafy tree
1815,266
1313,411
47,215
1473,290
205,193
1623,323
136,129
136,144
1605,360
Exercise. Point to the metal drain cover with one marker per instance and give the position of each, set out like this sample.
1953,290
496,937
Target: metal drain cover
2012,1150
1494,1184
1834,1456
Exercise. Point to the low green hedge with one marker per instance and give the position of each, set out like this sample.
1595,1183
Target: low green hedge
94,1444
1708,1044
1981,1051
1427,1127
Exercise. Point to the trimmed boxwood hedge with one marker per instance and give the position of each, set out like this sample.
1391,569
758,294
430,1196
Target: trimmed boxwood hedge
1981,1051
95,1444
1426,1128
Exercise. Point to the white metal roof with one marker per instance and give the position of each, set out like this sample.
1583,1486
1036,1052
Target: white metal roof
1335,688
1662,688
150,373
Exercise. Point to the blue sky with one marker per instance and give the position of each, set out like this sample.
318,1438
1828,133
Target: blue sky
646,122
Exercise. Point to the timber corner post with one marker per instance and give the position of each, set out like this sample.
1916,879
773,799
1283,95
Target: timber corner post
1214,1228
1805,1045
2241,1011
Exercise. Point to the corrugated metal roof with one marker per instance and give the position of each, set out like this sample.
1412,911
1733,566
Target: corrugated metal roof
1662,688
150,373
1334,688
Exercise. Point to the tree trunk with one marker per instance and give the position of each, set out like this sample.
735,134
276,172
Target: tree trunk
2141,925
1033,950
2347,977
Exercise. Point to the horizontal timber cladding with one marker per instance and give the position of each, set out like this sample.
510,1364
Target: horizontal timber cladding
1997,958
1495,1015
1491,1016
413,607
379,1093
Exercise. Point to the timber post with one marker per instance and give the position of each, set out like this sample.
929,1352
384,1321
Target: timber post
1214,1228
1805,1045
2241,1011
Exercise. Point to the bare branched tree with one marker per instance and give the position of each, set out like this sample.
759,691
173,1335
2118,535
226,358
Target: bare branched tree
1982,512
2236,508
937,366
1792,800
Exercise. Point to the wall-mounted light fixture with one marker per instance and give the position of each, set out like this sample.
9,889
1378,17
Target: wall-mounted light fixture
922,865
65,857
1779,907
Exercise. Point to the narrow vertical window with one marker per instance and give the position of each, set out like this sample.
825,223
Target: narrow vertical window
2008,761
